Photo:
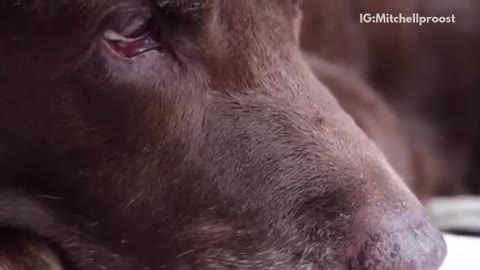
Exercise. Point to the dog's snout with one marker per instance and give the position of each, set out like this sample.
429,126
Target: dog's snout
418,246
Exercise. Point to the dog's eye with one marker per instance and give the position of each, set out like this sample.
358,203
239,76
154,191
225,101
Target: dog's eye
133,36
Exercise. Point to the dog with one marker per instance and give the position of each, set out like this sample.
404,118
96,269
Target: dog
187,134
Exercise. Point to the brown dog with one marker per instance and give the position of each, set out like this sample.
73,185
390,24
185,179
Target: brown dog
188,134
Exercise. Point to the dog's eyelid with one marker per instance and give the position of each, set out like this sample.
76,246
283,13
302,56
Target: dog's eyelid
114,36
129,48
297,2
136,36
135,25
187,9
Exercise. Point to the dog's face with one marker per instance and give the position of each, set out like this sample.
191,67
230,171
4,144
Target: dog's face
190,134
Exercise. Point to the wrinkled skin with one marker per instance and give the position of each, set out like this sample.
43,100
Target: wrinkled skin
221,150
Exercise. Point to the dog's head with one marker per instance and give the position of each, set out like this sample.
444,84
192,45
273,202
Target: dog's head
190,134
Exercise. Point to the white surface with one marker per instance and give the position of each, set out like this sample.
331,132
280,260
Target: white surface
463,253
457,213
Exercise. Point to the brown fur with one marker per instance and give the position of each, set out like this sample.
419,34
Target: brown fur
21,252
330,30
377,119
221,150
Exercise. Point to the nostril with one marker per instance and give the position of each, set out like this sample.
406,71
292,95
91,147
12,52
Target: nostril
415,248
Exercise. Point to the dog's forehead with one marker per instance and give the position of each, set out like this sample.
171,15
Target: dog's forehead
202,4
56,13
43,5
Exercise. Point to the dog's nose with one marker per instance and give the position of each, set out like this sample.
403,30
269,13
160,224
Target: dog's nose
394,246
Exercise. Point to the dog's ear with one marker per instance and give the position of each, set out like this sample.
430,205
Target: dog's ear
19,251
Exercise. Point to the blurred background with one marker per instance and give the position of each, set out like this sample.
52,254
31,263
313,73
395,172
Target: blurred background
413,89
